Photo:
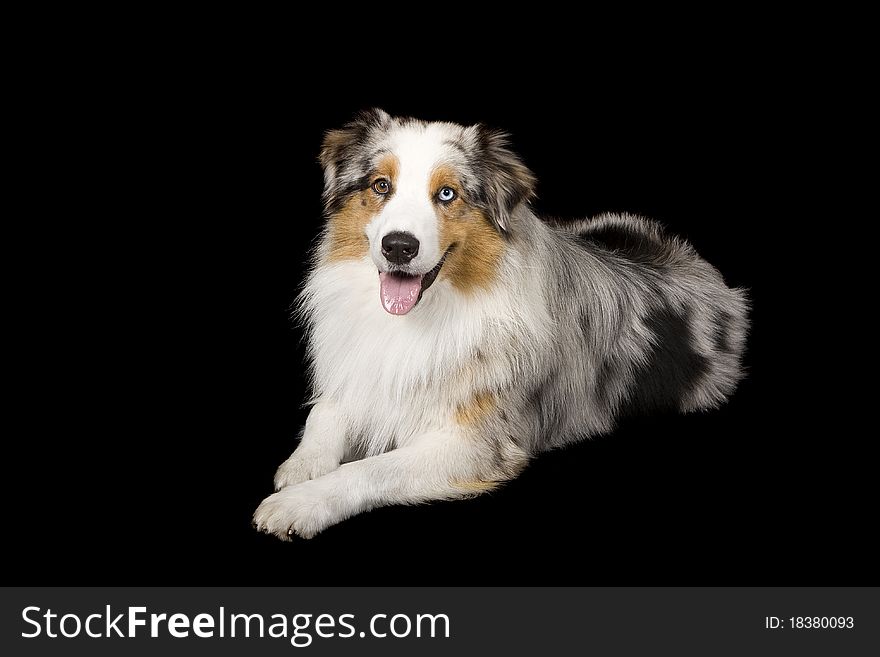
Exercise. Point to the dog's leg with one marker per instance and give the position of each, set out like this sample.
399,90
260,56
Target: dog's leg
440,465
320,450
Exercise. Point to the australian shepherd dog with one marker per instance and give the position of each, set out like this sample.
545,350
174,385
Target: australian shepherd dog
453,335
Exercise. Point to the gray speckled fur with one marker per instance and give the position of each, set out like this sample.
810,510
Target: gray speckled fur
639,322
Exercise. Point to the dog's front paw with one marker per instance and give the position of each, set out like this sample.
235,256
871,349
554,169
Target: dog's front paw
302,466
303,510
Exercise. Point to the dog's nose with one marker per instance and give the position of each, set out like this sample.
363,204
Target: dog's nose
400,248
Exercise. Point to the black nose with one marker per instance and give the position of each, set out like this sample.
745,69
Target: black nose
400,248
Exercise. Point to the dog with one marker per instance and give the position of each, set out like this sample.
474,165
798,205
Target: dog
453,335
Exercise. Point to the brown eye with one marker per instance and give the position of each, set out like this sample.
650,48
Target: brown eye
381,186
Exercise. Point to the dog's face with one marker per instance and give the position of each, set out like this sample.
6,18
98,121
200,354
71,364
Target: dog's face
423,200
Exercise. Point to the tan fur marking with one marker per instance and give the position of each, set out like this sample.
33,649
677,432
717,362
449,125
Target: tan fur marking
348,241
473,264
509,460
442,176
388,167
476,486
476,410
334,142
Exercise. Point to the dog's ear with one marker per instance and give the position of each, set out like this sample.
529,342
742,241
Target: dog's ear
504,180
343,149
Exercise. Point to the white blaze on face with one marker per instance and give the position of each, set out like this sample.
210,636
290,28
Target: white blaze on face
410,209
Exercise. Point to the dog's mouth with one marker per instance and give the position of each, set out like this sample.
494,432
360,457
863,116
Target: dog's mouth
401,292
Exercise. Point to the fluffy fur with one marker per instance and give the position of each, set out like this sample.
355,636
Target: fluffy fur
533,335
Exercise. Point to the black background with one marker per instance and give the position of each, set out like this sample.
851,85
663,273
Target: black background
164,383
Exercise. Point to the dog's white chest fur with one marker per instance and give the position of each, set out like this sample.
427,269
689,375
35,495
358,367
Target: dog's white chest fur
385,373
397,377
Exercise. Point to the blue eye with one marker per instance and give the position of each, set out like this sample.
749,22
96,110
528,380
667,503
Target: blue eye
446,194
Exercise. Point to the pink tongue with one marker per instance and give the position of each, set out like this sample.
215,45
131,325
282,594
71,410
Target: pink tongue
399,293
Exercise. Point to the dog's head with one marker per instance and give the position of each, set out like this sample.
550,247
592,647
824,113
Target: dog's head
422,200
